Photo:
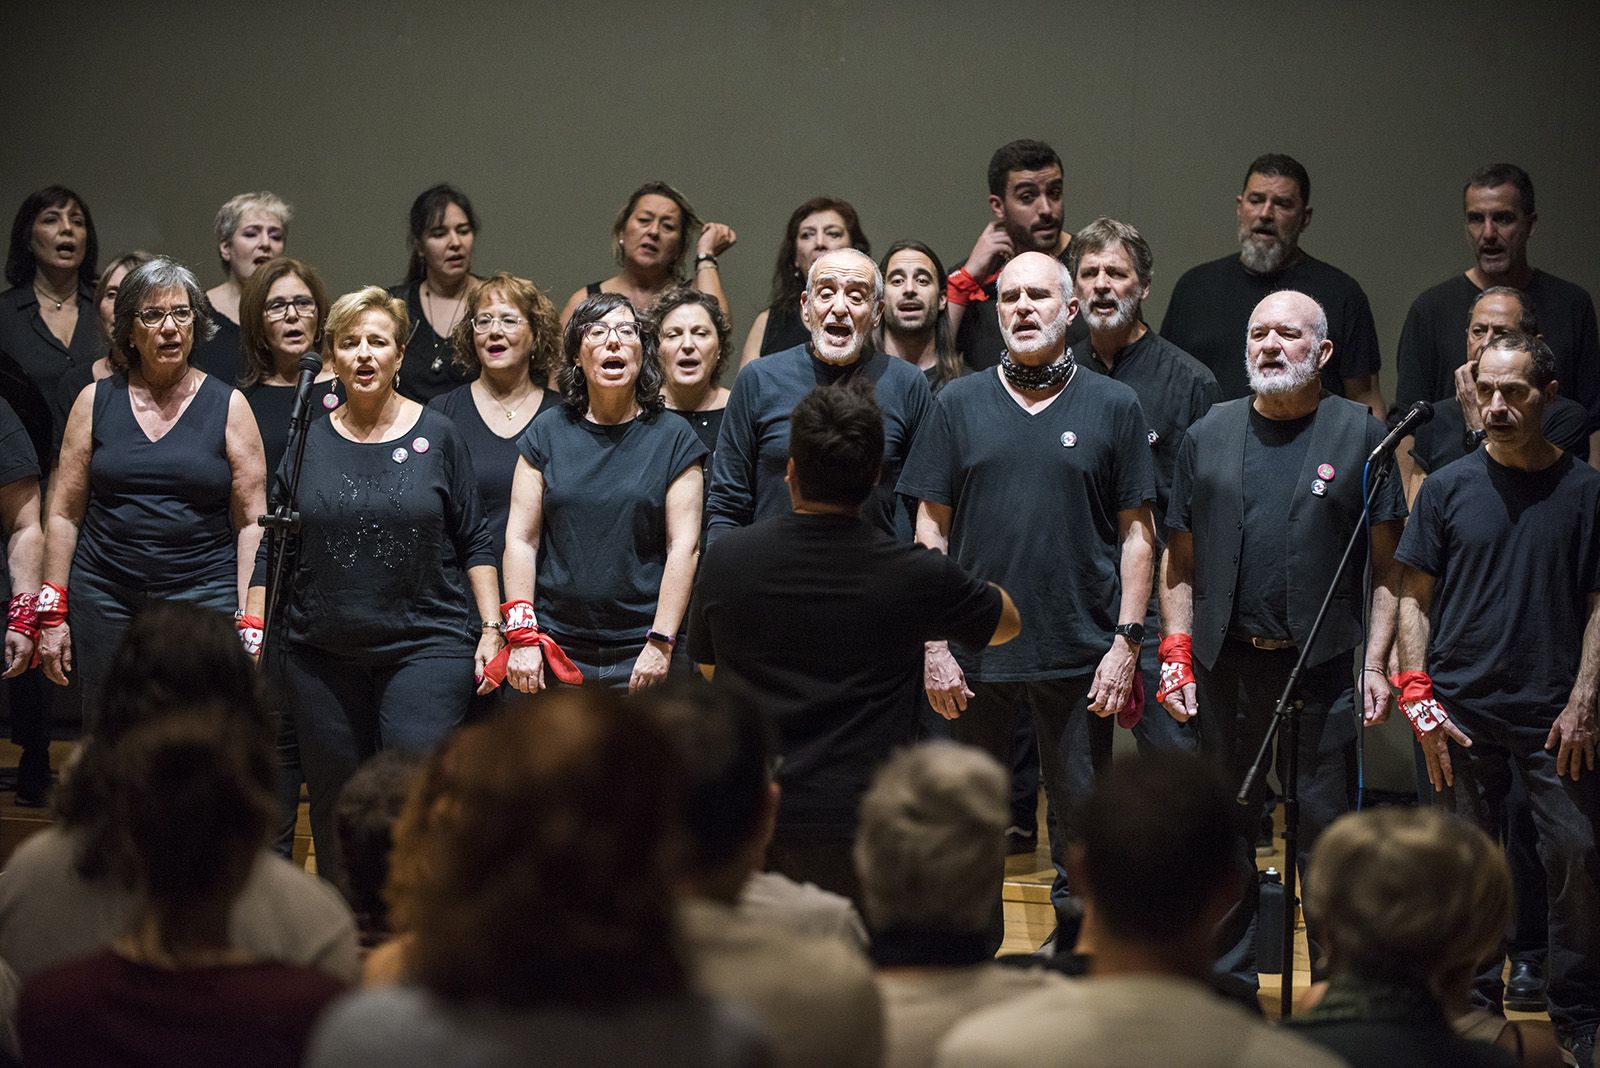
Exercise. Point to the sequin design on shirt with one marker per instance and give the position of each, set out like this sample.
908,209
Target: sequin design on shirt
367,520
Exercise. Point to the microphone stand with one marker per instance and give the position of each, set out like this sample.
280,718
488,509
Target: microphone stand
1287,716
282,521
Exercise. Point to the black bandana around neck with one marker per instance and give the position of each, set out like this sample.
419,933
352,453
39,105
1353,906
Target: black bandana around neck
1035,379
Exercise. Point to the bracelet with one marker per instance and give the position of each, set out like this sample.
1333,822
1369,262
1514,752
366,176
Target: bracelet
493,624
705,257
656,636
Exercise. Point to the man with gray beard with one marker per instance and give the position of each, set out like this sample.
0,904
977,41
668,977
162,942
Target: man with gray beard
841,306
1265,496
1211,303
1037,476
1111,265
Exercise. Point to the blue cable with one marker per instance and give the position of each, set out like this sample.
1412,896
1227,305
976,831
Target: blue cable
1366,634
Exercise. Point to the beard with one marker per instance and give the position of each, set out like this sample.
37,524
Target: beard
1298,375
1049,334
1264,257
1126,311
821,346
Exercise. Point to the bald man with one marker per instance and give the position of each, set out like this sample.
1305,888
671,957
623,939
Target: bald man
1038,476
841,306
1265,496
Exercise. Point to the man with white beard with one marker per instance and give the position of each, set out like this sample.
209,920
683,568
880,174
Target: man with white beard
1037,476
841,305
1211,303
1265,496
1111,264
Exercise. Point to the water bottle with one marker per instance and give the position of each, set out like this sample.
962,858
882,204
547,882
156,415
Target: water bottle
1269,923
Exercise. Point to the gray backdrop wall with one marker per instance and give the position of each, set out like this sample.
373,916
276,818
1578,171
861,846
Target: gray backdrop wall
548,115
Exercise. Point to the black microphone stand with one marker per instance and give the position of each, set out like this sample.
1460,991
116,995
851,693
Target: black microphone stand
282,521
1287,716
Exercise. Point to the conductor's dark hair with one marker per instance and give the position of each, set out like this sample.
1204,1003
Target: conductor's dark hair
836,442
1023,155
725,748
1503,174
1277,165
1158,840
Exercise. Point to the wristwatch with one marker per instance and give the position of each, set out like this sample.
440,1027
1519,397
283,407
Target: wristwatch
1134,632
665,639
1473,438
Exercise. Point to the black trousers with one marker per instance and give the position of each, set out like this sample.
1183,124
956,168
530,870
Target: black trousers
1237,697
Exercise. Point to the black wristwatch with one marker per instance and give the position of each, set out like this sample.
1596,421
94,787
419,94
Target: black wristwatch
1473,438
1134,632
668,640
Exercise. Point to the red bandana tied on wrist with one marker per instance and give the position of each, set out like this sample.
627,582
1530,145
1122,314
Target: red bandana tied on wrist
23,615
51,610
1418,703
1177,665
1132,712
961,288
251,630
522,630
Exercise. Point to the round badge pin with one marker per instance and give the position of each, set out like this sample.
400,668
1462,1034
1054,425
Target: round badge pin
1152,437
1319,487
419,445
1324,471
330,402
399,455
1069,439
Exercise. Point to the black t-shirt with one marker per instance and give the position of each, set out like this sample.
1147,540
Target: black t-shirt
1515,556
822,619
707,425
428,367
32,361
979,339
223,356
746,474
1274,453
1035,500
388,531
1174,389
494,458
272,406
17,461
603,548
1442,439
1209,315
1433,341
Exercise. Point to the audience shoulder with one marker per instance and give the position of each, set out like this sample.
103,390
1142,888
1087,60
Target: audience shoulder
286,913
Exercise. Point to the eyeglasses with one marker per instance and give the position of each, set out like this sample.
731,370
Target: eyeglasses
182,315
597,333
485,323
304,308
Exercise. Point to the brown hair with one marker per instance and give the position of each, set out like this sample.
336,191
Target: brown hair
531,863
535,307
687,222
252,310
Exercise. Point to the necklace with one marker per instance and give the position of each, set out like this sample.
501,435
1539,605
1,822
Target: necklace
1036,379
511,413
51,297
442,341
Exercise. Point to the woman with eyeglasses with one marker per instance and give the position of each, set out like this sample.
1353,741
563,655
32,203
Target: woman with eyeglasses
650,243
280,319
508,339
159,483
605,515
393,606
438,278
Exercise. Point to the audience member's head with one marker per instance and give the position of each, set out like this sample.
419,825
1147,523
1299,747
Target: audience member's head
53,229
931,843
364,819
483,337
1025,182
835,446
174,657
1414,896
1157,858
442,227
651,234
251,229
820,225
540,873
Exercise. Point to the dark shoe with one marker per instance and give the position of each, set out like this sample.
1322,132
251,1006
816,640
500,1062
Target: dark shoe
1525,987
1019,841
1580,1048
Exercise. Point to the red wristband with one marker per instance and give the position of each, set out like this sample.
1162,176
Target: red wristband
51,610
962,288
251,630
1177,664
1413,685
23,615
521,632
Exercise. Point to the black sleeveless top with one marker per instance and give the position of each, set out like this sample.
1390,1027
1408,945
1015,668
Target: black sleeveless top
592,289
158,511
428,368
784,331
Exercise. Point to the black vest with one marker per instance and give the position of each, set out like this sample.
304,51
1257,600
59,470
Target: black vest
1342,433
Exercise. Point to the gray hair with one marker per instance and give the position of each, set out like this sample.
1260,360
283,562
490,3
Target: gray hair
232,213
1319,324
1064,273
1527,320
1104,232
877,275
137,285
931,844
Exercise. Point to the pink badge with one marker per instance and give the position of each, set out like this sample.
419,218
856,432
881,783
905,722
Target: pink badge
419,445
1324,471
330,402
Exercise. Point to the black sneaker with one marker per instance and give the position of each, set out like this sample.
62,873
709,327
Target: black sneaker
1580,1048
1525,987
1019,841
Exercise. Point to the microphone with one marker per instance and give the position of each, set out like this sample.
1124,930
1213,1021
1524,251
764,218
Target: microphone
310,367
1420,413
